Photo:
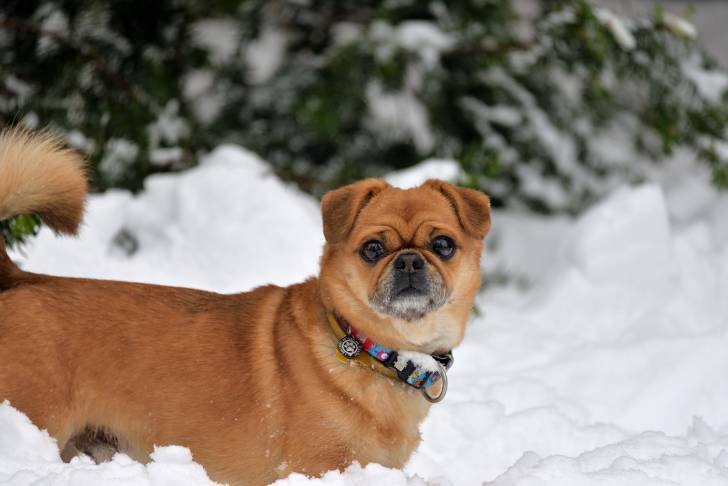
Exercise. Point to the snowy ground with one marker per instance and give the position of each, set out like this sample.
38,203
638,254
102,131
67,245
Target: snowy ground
600,363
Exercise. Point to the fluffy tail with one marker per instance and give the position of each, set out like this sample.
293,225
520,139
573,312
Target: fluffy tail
38,175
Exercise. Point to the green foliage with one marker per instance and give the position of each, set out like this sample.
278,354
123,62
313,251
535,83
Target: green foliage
16,231
546,110
103,72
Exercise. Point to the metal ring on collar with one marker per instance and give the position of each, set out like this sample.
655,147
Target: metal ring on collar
443,391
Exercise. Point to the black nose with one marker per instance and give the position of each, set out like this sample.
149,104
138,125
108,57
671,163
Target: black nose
409,263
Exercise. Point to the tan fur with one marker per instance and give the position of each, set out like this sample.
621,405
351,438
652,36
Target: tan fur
249,382
38,175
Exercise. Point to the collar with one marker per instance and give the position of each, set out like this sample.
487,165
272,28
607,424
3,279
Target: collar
414,369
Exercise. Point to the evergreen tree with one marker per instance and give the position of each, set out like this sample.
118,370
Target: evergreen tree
547,110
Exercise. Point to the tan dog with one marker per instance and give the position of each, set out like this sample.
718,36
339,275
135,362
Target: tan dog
252,383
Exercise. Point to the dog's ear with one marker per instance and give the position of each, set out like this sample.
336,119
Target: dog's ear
472,207
340,208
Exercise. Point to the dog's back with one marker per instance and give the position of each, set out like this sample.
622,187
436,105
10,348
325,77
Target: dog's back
39,176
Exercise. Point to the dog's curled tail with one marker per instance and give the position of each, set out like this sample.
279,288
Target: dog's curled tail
38,175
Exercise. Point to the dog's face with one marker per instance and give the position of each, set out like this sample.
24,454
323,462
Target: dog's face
404,265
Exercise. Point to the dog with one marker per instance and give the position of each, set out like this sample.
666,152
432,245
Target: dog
307,378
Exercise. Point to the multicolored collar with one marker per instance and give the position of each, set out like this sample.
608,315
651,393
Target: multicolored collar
420,371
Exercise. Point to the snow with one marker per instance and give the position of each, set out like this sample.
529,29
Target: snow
80,142
533,178
231,199
710,84
18,88
399,115
425,38
422,361
95,23
30,120
53,22
617,27
419,36
265,54
651,458
679,25
600,362
168,128
346,33
355,475
30,456
165,156
220,37
484,114
444,169
206,98
119,154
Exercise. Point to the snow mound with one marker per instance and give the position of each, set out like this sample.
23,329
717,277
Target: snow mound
444,169
226,225
651,458
355,475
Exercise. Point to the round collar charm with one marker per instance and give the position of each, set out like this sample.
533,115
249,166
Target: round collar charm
349,346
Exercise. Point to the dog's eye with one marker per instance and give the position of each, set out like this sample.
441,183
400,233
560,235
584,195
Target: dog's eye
443,246
371,251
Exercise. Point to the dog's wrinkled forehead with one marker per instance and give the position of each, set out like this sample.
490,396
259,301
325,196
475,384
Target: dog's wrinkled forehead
405,210
373,202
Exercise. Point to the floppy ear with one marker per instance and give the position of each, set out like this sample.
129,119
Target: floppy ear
340,208
472,207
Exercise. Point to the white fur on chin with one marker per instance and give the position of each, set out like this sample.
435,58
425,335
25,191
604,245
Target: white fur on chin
435,332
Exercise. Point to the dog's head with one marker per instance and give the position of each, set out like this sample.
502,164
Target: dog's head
404,265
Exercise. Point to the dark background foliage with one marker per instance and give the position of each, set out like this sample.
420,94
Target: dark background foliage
330,92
